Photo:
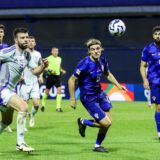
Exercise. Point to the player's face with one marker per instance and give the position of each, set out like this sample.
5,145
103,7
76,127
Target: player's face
1,34
31,43
95,51
21,40
55,52
156,36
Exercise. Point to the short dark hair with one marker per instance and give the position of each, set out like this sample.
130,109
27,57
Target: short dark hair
31,37
19,30
156,28
2,26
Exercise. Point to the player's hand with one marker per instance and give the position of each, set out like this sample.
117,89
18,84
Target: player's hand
124,89
63,72
146,84
45,62
73,103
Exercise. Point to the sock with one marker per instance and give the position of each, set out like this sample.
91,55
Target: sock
100,139
88,122
59,100
21,118
34,110
44,97
2,127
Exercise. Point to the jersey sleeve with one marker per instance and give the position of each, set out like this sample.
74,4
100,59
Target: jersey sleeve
144,56
80,68
7,53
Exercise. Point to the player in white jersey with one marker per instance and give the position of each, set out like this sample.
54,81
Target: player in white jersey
29,87
14,60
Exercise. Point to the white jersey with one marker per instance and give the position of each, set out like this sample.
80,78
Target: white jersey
13,64
29,77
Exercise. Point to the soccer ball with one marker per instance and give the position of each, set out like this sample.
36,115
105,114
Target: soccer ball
117,27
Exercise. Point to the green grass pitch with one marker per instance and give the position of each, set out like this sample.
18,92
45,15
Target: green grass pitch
55,136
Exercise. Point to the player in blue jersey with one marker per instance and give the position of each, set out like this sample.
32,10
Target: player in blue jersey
88,73
151,80
2,44
14,60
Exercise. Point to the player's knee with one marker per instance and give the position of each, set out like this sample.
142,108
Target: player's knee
106,123
24,108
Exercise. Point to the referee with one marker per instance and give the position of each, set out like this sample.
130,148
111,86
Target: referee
53,78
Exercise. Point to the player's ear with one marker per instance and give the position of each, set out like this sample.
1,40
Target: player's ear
102,49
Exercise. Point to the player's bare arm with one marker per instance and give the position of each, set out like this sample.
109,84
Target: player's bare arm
39,69
113,80
71,84
143,67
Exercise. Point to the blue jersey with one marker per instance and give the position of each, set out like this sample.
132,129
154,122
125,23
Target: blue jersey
151,55
3,45
89,74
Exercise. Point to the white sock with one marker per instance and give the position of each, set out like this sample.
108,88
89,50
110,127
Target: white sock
158,134
2,127
96,145
21,118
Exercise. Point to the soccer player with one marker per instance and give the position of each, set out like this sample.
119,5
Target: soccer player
151,59
14,60
2,44
88,73
29,87
53,78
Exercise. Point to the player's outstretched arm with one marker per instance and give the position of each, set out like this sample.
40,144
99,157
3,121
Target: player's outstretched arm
71,84
113,80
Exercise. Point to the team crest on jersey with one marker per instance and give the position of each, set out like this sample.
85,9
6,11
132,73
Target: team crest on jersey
96,115
154,98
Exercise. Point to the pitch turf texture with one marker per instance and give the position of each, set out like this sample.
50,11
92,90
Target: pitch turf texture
55,136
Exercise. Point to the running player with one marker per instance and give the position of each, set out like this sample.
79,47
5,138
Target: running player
89,72
14,60
29,87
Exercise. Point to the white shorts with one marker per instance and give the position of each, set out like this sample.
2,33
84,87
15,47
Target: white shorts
5,95
29,91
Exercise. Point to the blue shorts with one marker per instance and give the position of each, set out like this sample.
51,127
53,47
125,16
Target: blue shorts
155,94
96,105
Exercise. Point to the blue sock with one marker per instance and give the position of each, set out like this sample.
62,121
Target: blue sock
100,138
87,122
157,119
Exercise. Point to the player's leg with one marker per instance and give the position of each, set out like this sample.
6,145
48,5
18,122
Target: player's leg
155,98
21,106
44,98
49,84
157,119
35,95
7,118
57,83
105,124
24,93
59,100
35,108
